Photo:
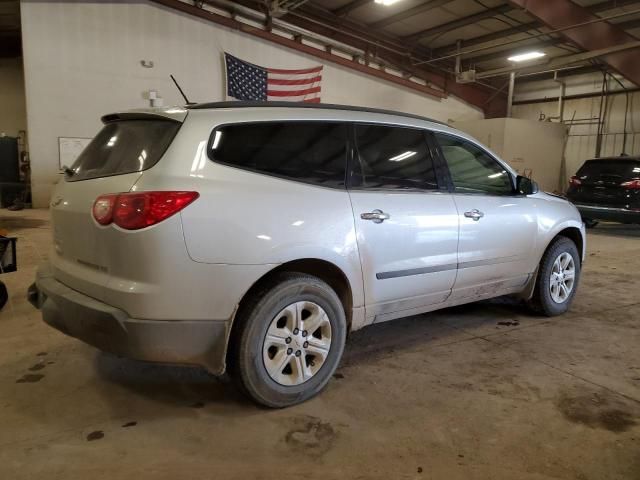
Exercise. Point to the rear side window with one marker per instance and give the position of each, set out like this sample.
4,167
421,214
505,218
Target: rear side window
609,169
124,146
310,152
393,158
472,169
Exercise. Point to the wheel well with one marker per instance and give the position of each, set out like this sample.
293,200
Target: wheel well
575,236
322,269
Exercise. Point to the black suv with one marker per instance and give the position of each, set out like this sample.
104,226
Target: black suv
607,189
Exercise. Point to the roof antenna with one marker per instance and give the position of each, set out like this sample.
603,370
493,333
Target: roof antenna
180,90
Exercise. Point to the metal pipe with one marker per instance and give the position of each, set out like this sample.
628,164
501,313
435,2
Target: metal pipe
561,94
604,134
510,42
562,61
512,84
574,97
601,115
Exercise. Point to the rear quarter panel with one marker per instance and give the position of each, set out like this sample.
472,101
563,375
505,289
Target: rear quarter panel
246,218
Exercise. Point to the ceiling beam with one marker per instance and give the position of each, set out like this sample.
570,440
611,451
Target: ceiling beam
558,62
299,46
417,10
509,50
349,7
458,23
386,48
366,39
525,27
591,37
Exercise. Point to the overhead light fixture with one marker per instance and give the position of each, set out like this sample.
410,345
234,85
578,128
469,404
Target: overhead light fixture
386,3
523,57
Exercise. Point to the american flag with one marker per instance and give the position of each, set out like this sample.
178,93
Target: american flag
246,81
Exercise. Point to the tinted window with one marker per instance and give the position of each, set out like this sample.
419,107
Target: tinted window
124,147
472,169
313,152
393,158
609,169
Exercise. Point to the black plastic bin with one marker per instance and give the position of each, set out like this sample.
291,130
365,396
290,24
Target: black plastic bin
8,256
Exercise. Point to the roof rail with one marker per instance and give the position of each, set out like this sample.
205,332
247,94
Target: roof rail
322,106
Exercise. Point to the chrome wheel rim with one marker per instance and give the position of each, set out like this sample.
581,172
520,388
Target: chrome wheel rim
563,277
297,343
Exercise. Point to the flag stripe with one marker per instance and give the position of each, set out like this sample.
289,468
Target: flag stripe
300,98
284,76
312,100
294,72
282,81
291,88
292,93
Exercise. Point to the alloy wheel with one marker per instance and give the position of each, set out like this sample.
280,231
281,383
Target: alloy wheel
563,275
297,343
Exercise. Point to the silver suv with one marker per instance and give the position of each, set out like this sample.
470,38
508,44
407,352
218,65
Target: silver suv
253,237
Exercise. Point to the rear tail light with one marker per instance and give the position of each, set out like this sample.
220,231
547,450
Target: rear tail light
575,181
632,184
133,211
103,209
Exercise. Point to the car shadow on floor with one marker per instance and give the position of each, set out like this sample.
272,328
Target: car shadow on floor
185,386
616,230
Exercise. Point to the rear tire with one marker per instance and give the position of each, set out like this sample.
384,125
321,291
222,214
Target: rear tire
558,276
4,295
289,340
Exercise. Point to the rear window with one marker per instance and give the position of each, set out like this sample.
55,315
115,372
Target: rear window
615,169
124,147
310,152
393,158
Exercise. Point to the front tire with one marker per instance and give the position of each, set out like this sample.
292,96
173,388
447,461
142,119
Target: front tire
558,277
289,341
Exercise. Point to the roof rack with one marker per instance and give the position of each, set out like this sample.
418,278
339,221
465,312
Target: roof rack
322,106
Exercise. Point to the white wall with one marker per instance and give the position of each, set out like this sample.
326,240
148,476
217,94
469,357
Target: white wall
581,143
82,60
13,113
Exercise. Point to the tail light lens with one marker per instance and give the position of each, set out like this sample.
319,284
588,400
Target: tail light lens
133,211
575,181
103,209
632,184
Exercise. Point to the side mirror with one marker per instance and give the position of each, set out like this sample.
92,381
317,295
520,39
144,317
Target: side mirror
526,186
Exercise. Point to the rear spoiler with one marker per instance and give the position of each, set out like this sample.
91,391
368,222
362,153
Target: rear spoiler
173,114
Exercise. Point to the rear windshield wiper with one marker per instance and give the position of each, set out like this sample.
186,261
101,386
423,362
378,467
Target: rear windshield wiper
68,172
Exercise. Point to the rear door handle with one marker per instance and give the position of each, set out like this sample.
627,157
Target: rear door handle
376,216
475,214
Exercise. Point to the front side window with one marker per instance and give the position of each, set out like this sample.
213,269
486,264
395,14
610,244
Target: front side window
311,152
393,158
472,169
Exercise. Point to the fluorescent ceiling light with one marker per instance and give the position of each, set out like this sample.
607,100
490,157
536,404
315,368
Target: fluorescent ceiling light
386,2
523,57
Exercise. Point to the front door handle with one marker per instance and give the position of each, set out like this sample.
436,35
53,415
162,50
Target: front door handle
475,214
376,216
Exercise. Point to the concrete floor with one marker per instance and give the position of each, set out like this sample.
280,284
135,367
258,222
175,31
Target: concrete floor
480,391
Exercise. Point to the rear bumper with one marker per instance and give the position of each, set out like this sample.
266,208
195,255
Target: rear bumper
202,343
595,212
